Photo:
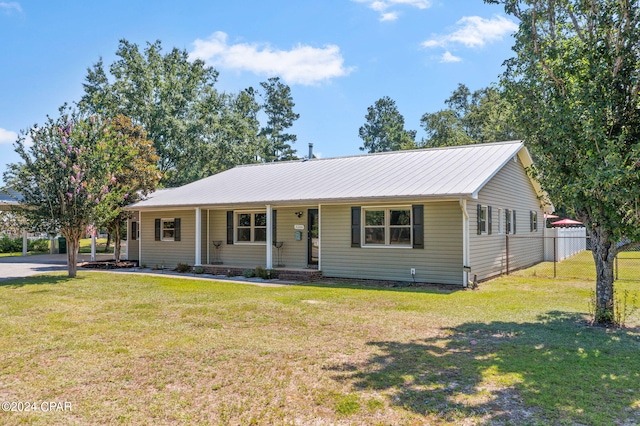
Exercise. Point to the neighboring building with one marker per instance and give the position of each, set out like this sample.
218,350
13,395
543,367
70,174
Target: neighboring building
439,212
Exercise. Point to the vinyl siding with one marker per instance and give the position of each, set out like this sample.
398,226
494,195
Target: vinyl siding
439,262
510,189
168,253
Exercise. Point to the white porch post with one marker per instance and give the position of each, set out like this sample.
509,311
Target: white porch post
93,244
25,243
319,237
198,261
126,248
208,240
269,237
139,238
465,241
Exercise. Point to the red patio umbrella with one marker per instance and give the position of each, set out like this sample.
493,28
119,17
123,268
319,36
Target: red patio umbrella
565,222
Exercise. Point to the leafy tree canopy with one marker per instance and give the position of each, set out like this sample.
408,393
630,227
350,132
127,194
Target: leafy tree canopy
64,175
278,106
574,82
482,116
384,129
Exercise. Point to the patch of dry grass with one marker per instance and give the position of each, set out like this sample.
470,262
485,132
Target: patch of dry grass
133,349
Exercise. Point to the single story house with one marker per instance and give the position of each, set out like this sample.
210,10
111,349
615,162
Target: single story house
429,215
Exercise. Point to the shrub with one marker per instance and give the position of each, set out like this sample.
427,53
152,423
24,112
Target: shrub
41,244
199,270
261,272
183,267
248,273
10,245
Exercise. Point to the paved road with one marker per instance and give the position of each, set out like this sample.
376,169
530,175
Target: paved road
25,266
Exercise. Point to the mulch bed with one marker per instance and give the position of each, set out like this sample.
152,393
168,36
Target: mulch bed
109,264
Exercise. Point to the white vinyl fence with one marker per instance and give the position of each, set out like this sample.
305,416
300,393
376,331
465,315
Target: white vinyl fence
567,241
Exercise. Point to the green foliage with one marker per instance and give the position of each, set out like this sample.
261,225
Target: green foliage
10,245
262,273
384,129
64,175
171,97
574,85
199,270
183,267
278,106
134,174
482,116
248,273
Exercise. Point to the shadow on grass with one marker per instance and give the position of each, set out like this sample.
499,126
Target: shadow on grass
556,370
35,280
405,287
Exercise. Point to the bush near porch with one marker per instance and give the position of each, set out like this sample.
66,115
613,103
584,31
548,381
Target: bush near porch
135,349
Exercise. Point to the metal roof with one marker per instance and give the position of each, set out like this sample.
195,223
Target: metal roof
9,197
450,172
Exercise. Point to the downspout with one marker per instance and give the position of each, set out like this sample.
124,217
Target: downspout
465,243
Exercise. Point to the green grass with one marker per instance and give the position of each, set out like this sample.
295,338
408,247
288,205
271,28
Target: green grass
85,245
134,349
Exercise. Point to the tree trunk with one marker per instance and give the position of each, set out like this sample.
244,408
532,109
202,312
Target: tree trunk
604,253
73,246
106,246
116,243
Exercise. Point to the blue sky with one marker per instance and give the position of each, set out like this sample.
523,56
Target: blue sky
337,56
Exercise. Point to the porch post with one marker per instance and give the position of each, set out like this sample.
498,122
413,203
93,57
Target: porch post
126,248
269,238
25,242
93,243
198,261
208,240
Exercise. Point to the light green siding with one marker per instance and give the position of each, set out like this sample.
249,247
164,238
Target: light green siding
167,253
510,189
439,262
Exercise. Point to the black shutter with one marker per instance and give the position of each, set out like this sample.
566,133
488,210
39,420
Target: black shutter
157,227
507,221
489,221
514,221
478,219
134,231
418,226
274,220
176,235
355,226
230,227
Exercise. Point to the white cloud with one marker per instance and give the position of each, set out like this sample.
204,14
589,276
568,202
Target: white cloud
391,16
10,7
448,57
301,65
383,7
473,32
7,136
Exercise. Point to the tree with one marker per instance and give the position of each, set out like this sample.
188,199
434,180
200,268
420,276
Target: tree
63,176
482,116
384,129
133,174
575,83
278,107
170,96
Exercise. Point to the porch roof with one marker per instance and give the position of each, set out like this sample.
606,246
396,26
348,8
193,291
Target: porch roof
445,173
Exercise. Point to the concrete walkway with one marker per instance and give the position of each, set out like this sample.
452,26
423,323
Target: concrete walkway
25,266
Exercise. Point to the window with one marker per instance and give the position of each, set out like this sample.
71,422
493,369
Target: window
134,231
168,230
387,226
533,219
510,221
482,220
251,227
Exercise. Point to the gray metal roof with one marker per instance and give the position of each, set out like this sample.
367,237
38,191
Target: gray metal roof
9,197
427,173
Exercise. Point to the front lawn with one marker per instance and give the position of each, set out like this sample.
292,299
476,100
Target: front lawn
134,349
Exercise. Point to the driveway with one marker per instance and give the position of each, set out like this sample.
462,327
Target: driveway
25,266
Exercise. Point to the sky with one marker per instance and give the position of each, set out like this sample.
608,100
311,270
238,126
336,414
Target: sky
338,56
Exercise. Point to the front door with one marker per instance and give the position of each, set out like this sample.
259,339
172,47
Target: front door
313,246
